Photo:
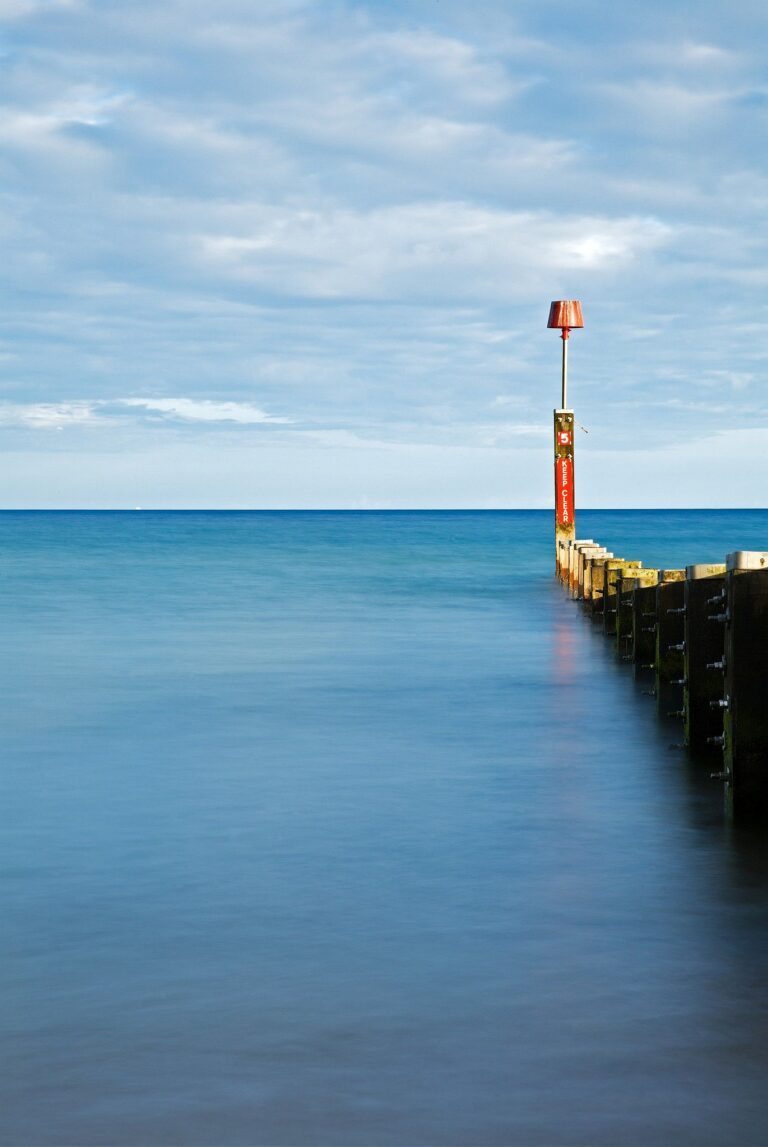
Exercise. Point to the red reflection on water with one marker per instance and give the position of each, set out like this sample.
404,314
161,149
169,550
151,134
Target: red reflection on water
564,650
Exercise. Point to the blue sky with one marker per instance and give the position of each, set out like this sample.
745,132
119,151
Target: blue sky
274,254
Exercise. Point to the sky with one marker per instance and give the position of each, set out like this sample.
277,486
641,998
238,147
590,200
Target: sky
300,253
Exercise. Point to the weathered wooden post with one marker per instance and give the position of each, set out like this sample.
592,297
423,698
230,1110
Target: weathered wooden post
565,548
744,703
599,575
644,624
577,549
570,555
564,315
564,561
670,641
578,558
703,657
624,589
589,565
613,568
579,567
630,581
585,553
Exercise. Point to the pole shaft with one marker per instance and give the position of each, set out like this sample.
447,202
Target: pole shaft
565,373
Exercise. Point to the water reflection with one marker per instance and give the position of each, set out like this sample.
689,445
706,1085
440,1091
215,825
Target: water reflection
691,933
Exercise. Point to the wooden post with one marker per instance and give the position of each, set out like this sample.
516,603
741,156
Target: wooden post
644,626
703,658
565,501
624,589
670,641
630,581
564,549
577,549
585,553
610,589
589,564
599,574
745,712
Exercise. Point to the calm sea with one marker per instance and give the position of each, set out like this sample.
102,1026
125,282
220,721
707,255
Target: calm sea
347,828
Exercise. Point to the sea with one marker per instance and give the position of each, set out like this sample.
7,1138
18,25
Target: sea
350,829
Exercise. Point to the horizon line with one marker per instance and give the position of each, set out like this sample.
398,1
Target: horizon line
372,509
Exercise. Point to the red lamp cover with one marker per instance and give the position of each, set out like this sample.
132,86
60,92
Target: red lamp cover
565,313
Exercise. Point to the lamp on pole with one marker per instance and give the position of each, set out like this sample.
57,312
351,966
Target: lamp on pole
565,316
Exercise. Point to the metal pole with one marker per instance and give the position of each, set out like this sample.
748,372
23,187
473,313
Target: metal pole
565,369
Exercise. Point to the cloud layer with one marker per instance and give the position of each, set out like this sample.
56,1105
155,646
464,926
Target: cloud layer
337,228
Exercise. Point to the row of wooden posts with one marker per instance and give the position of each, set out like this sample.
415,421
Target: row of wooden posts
700,636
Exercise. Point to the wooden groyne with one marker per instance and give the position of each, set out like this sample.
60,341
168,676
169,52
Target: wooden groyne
699,636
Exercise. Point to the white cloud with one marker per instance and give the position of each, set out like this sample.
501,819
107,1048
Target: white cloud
203,410
48,415
18,9
667,107
455,247
673,56
83,105
737,379
444,61
707,55
58,415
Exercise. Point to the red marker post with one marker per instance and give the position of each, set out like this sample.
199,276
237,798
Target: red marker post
565,316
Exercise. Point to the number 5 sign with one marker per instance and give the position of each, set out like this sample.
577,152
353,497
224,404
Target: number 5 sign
565,501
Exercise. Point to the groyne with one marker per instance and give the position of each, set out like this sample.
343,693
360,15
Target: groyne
699,637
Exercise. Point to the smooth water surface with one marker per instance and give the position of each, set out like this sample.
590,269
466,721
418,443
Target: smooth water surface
349,829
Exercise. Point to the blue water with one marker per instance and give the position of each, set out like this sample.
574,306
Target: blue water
348,829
